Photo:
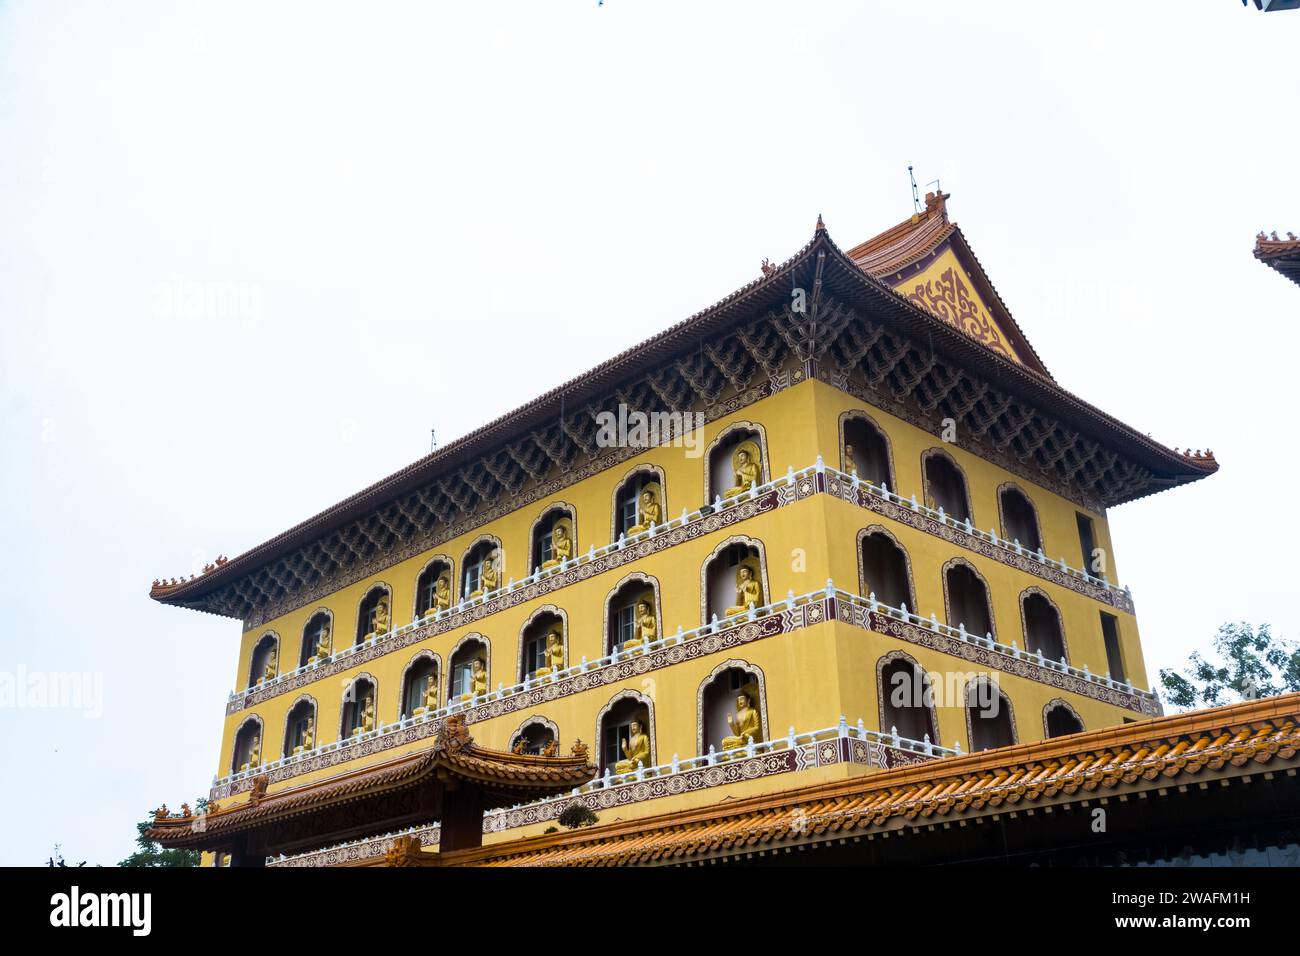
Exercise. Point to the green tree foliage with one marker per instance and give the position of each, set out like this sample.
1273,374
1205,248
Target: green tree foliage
576,815
149,853
1245,663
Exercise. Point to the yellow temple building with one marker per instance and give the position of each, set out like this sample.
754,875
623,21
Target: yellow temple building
839,529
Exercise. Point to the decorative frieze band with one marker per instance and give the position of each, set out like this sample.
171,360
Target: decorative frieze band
824,748
785,490
982,543
784,617
519,594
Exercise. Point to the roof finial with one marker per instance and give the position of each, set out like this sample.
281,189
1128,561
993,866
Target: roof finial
821,226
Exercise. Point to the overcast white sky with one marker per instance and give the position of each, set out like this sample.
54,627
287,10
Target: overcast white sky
487,199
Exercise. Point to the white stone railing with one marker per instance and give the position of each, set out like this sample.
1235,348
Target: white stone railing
791,601
792,740
843,730
991,536
685,518
593,554
1013,650
457,706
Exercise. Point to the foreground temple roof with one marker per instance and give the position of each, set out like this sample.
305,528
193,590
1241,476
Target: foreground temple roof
413,785
1162,756
1280,254
908,319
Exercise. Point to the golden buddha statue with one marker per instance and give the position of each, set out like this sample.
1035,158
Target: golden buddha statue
441,594
553,657
430,697
648,512
744,724
477,680
272,666
561,547
254,753
382,622
366,723
850,463
646,627
748,591
748,470
323,645
635,751
489,578
308,736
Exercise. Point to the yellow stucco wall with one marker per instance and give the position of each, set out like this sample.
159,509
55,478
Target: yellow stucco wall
812,676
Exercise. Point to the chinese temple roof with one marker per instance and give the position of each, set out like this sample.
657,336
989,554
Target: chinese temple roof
1280,254
934,339
897,252
372,793
1166,754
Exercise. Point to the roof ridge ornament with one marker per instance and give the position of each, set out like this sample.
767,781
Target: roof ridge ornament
821,226
937,202
454,735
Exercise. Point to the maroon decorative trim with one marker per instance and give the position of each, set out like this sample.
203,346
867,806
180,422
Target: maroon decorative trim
782,620
522,594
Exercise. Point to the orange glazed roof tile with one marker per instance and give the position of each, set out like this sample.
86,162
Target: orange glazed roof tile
1166,749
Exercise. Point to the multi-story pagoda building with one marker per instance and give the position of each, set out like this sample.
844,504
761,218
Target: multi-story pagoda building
841,523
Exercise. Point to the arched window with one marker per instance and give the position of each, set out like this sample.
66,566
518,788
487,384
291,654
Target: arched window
542,644
1019,519
734,581
469,669
554,538
968,599
626,733
866,450
989,720
537,736
420,685
300,727
1042,626
885,569
736,463
632,614
732,706
265,661
317,641
906,699
639,501
374,614
248,746
945,486
1061,720
359,708
433,588
482,568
